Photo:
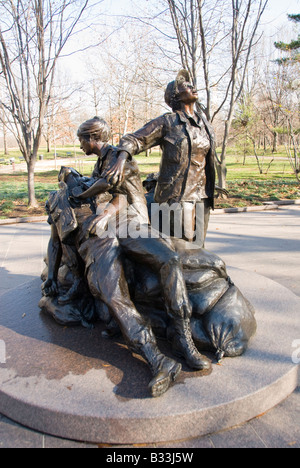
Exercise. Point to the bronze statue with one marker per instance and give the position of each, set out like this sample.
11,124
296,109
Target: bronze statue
143,248
187,170
106,262
157,253
100,260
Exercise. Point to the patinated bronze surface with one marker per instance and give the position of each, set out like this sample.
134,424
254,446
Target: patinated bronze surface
187,169
106,262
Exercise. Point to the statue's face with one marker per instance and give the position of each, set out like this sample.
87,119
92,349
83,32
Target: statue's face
91,146
86,146
187,93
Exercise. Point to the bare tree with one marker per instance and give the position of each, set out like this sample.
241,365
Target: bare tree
203,30
272,98
243,35
292,149
33,34
199,29
291,114
123,86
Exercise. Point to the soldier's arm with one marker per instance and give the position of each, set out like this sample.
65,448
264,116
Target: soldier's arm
112,209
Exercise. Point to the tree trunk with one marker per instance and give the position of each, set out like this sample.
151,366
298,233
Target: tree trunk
3,119
221,164
32,202
275,141
221,172
6,152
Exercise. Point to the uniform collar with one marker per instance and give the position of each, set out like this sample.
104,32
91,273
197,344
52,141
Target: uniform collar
184,117
202,121
104,151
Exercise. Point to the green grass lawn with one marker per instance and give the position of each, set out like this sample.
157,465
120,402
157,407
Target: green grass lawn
245,184
66,152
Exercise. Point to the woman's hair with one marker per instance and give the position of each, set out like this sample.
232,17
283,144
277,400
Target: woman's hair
96,129
176,103
172,94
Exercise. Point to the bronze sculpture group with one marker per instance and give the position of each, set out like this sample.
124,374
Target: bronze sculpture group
112,257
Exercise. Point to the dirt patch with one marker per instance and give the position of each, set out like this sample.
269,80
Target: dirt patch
20,210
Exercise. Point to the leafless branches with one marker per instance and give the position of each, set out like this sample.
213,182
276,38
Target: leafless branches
33,34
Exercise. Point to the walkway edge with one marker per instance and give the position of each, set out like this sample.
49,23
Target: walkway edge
268,206
245,209
32,219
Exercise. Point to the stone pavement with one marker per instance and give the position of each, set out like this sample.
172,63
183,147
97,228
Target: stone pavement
267,243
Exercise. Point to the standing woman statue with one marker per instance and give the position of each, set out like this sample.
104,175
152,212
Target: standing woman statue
187,171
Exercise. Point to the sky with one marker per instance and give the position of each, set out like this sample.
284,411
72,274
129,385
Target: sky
275,11
275,16
274,23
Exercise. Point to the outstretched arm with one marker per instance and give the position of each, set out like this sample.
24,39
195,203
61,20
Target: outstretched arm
131,144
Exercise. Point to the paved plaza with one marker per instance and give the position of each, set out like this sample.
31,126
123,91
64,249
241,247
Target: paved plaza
266,243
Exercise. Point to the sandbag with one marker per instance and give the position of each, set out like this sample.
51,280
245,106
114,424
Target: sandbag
79,312
199,259
229,325
205,298
204,273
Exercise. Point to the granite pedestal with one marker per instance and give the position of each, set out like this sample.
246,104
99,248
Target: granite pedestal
73,383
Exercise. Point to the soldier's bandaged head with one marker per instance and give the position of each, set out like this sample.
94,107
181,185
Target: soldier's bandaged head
94,129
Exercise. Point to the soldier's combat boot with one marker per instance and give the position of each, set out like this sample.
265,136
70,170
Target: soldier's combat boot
164,370
183,346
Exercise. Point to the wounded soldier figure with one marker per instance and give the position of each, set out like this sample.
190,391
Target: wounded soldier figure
99,261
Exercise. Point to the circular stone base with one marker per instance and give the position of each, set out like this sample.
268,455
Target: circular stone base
73,383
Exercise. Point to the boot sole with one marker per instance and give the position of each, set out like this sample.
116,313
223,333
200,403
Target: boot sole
158,388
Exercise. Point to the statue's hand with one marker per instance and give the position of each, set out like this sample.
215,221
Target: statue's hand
98,224
77,192
50,288
74,198
115,174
